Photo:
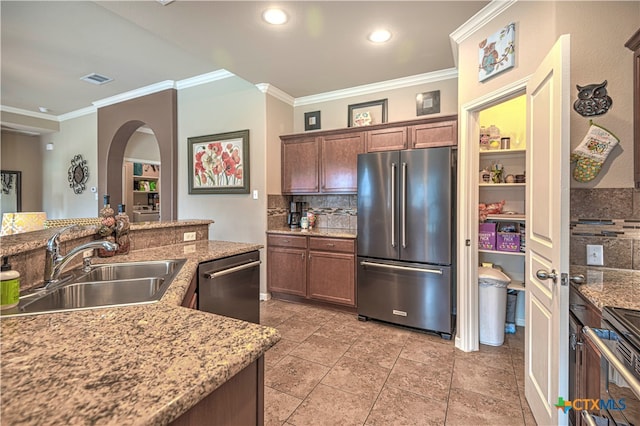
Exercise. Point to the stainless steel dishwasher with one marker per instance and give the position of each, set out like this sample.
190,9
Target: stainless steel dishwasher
231,286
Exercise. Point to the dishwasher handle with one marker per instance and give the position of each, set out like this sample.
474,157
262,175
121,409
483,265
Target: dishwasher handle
212,275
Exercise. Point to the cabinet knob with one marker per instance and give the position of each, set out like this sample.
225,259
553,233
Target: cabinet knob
330,245
286,241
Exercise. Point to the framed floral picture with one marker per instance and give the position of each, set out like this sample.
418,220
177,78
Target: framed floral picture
219,164
367,113
496,53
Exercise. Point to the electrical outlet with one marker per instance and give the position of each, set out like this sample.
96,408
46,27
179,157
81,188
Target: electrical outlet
189,236
595,256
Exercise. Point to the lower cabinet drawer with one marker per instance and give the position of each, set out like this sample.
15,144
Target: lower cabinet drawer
287,241
332,244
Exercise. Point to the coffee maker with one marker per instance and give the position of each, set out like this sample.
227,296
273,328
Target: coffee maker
295,213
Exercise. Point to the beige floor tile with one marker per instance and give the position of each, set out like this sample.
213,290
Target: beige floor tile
484,378
321,350
387,332
429,380
274,317
330,406
356,377
315,315
470,408
296,329
375,350
279,351
278,406
428,351
340,330
495,356
398,407
295,376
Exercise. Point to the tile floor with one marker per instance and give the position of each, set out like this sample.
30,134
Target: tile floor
331,369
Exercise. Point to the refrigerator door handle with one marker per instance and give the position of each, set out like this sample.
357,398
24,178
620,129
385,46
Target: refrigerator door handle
404,205
393,204
401,268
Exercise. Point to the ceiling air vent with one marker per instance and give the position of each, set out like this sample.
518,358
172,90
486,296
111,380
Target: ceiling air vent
94,78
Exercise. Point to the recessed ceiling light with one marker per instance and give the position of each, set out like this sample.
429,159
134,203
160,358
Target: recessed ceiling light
380,36
275,16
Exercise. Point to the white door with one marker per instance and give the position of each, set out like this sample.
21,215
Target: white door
547,298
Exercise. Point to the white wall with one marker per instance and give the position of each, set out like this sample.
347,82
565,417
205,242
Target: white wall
24,153
76,136
279,122
224,106
401,105
143,146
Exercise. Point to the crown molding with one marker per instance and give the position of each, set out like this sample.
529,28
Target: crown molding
220,74
477,21
366,89
136,93
28,113
272,90
78,113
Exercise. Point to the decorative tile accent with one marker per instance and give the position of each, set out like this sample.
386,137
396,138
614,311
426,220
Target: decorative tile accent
604,203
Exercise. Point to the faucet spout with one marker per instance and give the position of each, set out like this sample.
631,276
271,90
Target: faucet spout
55,263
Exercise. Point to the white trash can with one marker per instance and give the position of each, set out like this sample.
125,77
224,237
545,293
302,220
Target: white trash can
492,304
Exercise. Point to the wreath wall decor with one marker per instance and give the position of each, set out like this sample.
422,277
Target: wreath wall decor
78,174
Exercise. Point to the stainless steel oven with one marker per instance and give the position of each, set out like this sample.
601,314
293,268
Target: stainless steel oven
618,341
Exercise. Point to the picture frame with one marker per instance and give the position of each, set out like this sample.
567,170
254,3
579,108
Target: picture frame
367,113
219,163
11,196
496,53
312,120
428,103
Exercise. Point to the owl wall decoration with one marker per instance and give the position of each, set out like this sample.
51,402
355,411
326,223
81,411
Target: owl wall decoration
592,100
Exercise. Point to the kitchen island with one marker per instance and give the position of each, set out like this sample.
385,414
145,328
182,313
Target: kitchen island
142,364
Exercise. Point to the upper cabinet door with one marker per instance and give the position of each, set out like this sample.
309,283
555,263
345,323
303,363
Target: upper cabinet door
430,135
300,171
339,169
388,139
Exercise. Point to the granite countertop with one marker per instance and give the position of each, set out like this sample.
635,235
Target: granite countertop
143,364
16,243
609,287
317,232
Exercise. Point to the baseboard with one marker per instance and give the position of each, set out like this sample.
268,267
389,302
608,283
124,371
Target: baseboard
265,296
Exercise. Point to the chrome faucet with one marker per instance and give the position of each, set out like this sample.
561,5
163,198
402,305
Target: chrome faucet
54,263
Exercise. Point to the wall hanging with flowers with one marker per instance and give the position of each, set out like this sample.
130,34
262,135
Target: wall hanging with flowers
219,164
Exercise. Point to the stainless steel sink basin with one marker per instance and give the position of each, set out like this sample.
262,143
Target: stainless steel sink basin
115,284
130,270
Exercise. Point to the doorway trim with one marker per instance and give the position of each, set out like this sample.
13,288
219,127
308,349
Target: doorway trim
468,336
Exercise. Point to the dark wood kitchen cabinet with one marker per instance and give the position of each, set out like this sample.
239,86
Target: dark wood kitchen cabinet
326,162
312,268
387,139
429,135
300,165
584,358
634,44
191,296
339,165
287,264
332,265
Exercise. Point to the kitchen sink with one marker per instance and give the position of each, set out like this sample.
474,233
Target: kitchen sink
129,270
106,285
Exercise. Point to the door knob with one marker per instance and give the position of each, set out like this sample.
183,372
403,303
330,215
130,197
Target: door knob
544,275
577,279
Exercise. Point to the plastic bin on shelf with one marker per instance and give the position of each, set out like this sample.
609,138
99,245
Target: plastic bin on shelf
492,304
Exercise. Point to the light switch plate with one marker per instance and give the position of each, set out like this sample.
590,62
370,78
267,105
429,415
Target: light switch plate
189,236
255,194
595,256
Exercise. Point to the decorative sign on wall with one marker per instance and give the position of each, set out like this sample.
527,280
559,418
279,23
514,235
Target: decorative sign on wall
592,100
78,174
428,103
497,52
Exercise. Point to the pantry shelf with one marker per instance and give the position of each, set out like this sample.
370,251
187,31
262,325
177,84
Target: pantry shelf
509,253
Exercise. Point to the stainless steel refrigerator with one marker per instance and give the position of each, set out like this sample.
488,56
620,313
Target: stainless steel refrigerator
405,238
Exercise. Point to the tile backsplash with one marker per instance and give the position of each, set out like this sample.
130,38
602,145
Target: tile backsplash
332,211
609,217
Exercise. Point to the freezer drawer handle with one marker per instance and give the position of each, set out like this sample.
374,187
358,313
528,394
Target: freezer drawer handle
213,275
401,268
